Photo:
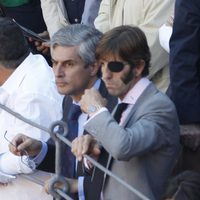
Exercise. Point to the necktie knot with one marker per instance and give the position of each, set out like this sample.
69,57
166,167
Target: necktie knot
74,112
120,108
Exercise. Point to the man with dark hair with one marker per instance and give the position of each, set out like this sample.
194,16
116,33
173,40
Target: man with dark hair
147,15
142,137
27,87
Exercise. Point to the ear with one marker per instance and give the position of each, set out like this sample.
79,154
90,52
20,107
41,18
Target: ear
138,69
95,67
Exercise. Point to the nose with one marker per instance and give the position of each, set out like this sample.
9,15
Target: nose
57,69
106,73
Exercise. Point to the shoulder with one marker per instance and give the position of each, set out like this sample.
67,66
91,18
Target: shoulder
154,100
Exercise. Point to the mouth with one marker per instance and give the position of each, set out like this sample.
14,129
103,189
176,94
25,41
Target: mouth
61,84
109,85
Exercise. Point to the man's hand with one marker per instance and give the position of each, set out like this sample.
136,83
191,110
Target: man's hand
42,47
85,144
22,143
92,101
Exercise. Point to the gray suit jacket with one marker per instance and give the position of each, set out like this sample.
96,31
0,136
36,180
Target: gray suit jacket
144,147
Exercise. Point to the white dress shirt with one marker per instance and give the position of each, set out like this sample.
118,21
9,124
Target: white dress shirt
31,92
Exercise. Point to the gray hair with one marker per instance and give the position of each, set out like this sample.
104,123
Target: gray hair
85,37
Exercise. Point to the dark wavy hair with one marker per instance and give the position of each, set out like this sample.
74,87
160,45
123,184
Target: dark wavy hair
126,42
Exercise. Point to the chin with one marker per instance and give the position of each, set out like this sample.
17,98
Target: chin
62,91
112,92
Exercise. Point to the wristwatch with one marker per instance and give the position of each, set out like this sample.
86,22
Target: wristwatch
93,109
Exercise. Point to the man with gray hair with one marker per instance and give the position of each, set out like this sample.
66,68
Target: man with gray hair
75,69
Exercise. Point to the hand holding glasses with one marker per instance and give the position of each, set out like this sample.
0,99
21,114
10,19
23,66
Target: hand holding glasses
25,158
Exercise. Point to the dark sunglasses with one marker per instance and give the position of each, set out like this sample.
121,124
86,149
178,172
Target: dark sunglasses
116,66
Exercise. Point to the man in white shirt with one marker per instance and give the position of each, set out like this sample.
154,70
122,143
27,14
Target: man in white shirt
143,133
27,86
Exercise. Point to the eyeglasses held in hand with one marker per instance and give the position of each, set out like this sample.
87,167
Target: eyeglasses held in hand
25,158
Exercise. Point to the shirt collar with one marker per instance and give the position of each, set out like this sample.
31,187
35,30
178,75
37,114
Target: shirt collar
15,79
135,92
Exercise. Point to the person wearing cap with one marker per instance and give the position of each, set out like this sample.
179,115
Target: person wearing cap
27,87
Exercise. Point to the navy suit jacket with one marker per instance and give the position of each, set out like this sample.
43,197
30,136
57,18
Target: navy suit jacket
92,187
185,61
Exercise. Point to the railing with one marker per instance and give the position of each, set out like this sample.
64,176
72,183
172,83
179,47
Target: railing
58,178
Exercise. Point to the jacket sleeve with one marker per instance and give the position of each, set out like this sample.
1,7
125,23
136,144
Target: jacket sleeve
185,61
154,119
48,164
155,14
90,12
102,21
52,16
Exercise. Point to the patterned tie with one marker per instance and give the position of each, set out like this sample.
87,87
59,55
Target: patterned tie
72,122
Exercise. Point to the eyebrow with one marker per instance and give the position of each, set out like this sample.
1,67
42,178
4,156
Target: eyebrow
69,60
65,61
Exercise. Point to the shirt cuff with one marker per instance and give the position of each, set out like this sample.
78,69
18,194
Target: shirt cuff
80,188
103,109
40,157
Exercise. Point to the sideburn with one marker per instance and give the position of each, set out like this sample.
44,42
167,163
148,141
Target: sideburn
128,78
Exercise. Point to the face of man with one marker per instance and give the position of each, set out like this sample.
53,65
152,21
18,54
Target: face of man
71,75
119,83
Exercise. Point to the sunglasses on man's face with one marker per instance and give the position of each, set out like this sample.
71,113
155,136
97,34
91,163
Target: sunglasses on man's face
116,66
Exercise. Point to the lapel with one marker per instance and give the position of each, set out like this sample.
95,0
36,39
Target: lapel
149,91
67,101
